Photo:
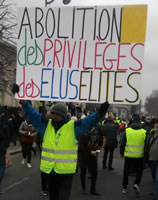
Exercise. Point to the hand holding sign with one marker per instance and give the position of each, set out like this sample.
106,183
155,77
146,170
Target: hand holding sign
103,109
15,88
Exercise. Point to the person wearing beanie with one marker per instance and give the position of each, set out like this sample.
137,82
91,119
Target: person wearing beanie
60,144
132,143
136,118
60,109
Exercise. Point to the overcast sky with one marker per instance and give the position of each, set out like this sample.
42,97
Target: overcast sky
150,72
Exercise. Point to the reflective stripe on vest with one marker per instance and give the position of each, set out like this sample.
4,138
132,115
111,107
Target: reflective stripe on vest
135,143
135,152
59,150
58,160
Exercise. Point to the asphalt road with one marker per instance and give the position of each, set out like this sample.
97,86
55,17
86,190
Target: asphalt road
22,183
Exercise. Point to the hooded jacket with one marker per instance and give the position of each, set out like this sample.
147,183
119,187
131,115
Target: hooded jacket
110,130
134,125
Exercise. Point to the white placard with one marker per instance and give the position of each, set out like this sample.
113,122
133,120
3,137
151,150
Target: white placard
79,54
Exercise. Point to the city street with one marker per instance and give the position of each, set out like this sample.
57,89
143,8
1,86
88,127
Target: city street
22,183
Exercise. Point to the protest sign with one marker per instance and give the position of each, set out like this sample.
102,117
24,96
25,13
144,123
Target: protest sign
81,54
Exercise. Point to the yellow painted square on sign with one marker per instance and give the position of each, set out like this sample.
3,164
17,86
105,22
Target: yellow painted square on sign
134,20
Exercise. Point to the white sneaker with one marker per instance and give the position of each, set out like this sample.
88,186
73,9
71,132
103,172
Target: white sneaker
23,161
136,188
44,193
124,191
29,165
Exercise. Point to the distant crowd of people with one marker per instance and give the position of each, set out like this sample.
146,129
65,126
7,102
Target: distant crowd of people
70,142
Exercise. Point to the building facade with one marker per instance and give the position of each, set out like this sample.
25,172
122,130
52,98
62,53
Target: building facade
7,73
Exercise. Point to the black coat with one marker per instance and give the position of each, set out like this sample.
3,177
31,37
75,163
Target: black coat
84,151
4,136
110,130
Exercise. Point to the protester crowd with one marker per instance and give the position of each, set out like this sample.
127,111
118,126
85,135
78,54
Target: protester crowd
136,137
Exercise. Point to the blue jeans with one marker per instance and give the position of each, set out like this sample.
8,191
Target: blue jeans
2,166
154,173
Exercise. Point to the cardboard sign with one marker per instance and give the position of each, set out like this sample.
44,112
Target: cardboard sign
81,54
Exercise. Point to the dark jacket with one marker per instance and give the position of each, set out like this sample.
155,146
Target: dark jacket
84,149
110,130
151,146
4,136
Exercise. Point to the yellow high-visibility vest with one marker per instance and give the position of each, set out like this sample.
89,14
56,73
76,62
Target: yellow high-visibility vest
39,103
102,122
135,140
59,150
118,121
52,105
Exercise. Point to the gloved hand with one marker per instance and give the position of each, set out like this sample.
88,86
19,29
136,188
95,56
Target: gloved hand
103,109
66,2
15,88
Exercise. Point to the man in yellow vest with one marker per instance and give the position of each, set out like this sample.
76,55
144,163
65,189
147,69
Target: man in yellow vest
132,148
60,145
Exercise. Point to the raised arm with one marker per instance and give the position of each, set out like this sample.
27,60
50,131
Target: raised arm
86,124
37,120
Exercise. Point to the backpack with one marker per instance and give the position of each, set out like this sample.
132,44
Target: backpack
122,126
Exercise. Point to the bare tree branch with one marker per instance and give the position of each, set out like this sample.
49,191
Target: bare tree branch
151,103
7,46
